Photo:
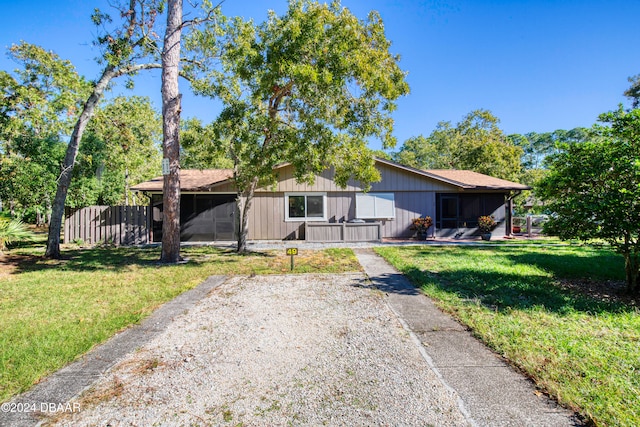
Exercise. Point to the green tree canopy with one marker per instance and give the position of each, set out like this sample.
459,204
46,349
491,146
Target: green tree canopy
536,149
121,146
37,105
593,188
309,88
199,148
633,93
476,143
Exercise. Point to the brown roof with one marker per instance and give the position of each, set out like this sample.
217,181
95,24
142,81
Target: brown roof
474,180
205,180
190,180
466,179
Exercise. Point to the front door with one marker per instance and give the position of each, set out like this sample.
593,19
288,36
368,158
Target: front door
224,216
448,215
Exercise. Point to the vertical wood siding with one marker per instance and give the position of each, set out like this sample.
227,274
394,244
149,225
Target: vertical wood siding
393,179
267,216
119,225
409,205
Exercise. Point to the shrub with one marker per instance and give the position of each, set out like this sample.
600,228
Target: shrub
421,224
486,223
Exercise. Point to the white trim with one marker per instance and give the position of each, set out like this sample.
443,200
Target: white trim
305,218
379,203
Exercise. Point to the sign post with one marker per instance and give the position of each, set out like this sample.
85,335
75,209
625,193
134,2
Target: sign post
293,252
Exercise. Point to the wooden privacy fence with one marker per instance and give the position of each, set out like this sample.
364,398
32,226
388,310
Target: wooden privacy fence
118,225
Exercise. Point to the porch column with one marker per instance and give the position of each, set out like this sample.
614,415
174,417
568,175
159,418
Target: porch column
508,215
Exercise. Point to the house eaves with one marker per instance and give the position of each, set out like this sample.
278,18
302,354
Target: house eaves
464,179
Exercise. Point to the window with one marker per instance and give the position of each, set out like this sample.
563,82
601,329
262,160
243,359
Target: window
305,207
375,205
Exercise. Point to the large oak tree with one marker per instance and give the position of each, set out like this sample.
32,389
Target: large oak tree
126,47
309,88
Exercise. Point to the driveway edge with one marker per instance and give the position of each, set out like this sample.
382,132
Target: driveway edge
60,387
492,392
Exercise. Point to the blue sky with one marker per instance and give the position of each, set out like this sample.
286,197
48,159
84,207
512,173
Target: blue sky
537,65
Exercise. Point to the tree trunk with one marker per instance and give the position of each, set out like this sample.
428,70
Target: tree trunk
126,186
55,226
632,269
171,128
244,205
47,201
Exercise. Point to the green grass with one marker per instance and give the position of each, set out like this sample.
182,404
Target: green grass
54,311
582,350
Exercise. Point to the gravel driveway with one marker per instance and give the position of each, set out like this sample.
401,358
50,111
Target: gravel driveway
276,350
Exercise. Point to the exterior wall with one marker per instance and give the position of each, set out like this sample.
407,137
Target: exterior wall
224,188
267,216
409,205
414,196
393,179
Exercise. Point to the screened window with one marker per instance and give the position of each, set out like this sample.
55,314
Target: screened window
305,207
375,205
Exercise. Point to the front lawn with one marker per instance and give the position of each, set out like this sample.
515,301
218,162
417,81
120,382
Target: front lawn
555,312
54,311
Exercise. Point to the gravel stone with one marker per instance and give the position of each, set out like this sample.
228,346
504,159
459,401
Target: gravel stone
276,350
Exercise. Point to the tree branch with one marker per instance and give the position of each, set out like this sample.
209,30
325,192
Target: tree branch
130,69
198,21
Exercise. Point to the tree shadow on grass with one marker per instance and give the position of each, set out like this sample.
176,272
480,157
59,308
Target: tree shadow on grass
95,259
504,291
122,258
581,262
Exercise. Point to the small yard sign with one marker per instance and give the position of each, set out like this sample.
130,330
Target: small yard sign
292,252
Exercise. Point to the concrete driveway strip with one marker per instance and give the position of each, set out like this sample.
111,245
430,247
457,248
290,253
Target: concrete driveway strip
493,393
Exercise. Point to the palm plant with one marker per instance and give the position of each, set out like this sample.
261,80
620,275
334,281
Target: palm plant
13,231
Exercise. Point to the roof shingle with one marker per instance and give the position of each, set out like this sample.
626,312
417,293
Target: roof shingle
206,179
190,180
473,180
